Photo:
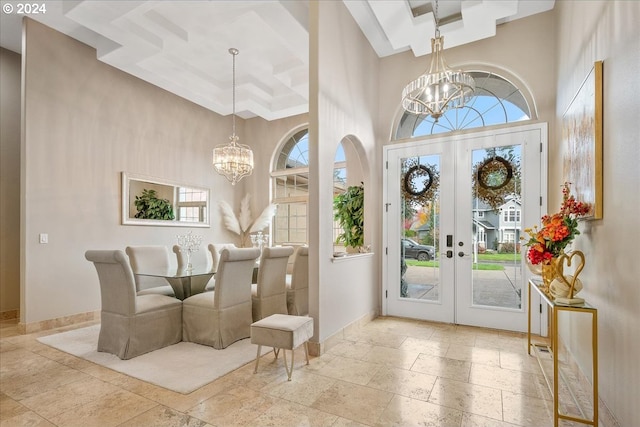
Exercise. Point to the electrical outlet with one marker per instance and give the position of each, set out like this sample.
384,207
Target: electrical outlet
44,238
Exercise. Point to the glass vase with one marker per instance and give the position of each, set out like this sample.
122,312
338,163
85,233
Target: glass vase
534,268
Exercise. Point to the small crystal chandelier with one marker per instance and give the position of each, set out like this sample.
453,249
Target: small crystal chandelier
439,89
233,160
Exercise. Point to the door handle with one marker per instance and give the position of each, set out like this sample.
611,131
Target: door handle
462,254
449,254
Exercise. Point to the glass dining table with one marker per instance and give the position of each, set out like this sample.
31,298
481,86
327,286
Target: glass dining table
181,280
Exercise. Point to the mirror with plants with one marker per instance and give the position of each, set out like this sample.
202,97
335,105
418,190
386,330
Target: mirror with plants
160,202
150,206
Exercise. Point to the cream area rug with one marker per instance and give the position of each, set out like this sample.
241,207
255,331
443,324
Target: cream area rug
182,367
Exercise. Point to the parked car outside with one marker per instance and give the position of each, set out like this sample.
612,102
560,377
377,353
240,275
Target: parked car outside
417,251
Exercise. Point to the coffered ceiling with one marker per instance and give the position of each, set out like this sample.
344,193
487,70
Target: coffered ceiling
182,46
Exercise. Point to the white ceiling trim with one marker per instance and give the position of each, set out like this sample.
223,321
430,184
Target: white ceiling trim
182,46
393,21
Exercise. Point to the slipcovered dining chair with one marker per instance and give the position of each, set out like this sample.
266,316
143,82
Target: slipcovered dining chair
200,259
222,317
298,287
214,251
269,294
150,258
132,324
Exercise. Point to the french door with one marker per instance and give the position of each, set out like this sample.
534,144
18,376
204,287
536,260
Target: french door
455,208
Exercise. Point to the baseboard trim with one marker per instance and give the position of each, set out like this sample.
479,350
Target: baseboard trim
9,314
605,416
319,348
45,325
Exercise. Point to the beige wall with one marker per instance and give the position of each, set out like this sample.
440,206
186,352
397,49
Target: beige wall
607,31
522,51
9,183
85,123
343,103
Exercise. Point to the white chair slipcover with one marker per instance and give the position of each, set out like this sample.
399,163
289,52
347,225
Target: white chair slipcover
298,289
214,251
269,294
150,258
132,324
222,317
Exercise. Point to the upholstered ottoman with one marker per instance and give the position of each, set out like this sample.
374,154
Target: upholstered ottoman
282,331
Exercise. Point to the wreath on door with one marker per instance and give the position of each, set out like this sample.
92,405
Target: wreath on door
491,180
420,183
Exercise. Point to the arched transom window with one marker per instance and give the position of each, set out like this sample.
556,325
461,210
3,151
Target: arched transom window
495,101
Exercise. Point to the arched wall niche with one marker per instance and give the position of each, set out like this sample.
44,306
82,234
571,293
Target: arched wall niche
358,171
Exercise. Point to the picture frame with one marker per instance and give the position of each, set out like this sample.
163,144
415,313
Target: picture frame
582,142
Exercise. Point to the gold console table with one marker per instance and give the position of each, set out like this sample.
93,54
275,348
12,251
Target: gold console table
552,350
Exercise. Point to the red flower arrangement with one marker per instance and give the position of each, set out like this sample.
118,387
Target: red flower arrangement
558,230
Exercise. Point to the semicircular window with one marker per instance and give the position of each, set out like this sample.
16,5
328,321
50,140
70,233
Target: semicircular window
495,101
294,152
290,184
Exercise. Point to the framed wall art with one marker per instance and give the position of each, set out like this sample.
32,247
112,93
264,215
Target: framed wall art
582,140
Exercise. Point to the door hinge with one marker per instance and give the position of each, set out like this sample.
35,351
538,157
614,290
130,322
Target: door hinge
540,200
387,164
541,147
386,251
386,207
540,308
386,294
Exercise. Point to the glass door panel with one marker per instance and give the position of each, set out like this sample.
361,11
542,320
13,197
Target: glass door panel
419,204
498,189
422,181
495,227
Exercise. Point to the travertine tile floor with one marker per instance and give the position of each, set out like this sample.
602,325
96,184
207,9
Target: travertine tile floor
391,372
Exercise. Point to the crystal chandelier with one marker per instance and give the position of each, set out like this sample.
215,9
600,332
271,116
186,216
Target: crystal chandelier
439,89
233,160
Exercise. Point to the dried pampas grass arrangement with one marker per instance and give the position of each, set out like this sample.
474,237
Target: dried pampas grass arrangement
242,225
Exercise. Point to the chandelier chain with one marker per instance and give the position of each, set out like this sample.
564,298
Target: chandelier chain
234,52
437,20
233,160
440,88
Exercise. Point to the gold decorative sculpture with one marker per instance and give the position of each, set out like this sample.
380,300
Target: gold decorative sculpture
549,272
564,288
